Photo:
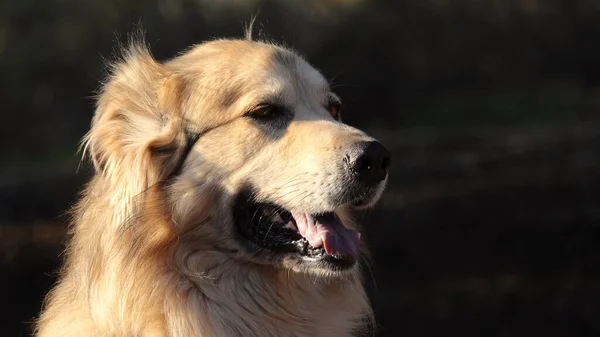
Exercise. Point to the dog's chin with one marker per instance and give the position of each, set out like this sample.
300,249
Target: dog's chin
319,244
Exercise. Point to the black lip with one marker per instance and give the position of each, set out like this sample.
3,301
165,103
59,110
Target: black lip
255,223
264,233
261,230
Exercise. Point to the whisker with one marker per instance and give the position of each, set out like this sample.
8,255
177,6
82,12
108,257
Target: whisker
277,209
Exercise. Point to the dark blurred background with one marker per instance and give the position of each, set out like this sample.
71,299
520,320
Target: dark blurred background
491,223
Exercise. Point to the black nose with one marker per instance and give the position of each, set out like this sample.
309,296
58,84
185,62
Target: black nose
369,161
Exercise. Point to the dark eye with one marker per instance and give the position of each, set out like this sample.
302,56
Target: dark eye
263,111
334,109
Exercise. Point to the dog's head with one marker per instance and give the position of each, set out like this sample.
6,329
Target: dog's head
247,142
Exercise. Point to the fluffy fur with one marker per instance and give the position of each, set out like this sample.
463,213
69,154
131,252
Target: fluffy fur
152,249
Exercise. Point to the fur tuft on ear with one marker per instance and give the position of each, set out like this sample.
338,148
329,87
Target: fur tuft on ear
137,132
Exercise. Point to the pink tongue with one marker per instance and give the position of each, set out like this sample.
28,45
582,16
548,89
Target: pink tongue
329,233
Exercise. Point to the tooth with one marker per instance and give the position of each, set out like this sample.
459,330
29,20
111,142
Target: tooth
290,225
277,218
286,216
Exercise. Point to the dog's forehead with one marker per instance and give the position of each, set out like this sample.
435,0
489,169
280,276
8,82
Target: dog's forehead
271,73
296,77
225,79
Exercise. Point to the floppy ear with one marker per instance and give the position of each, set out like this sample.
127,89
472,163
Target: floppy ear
137,133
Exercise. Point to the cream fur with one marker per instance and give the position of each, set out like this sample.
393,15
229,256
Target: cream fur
152,251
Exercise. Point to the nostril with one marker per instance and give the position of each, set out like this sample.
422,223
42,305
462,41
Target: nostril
361,164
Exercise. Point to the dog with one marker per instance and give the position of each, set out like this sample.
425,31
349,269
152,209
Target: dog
221,204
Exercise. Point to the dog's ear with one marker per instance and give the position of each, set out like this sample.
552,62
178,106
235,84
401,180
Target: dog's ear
137,132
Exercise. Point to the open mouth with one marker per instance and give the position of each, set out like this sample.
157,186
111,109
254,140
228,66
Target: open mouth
321,237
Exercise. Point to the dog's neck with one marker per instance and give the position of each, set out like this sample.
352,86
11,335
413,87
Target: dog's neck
250,300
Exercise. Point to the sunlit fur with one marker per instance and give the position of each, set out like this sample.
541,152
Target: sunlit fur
153,251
